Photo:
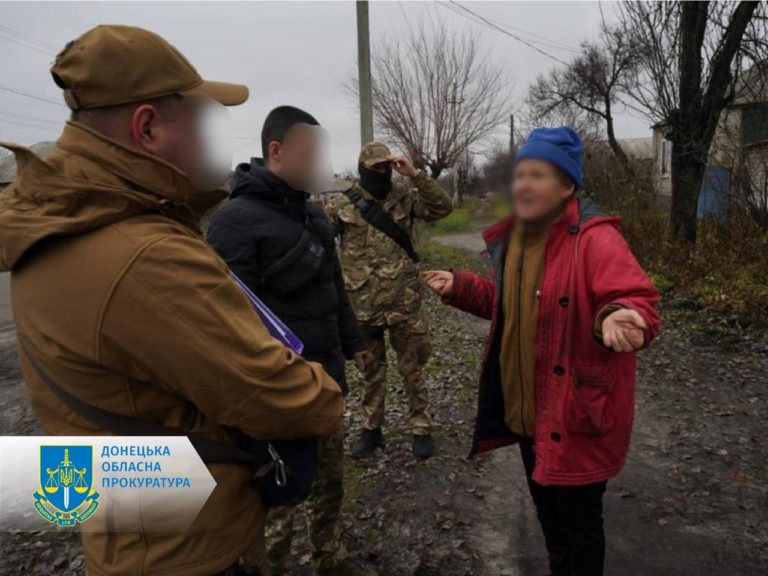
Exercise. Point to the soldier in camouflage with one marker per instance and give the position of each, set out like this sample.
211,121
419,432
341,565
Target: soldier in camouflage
385,287
323,520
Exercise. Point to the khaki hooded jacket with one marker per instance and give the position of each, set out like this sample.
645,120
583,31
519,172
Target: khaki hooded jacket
118,298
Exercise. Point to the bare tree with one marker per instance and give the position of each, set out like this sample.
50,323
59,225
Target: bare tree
588,87
465,173
690,56
496,173
436,93
587,125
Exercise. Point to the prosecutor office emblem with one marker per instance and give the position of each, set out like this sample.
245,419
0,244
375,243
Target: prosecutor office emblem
66,495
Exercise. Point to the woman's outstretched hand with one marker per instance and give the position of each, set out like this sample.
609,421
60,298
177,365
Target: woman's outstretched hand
623,330
439,281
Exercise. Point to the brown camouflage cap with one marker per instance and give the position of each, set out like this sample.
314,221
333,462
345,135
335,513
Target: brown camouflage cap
374,153
110,65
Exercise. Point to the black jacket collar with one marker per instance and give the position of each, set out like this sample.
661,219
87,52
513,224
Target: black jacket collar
255,180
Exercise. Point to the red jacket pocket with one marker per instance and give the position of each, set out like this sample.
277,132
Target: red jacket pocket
588,404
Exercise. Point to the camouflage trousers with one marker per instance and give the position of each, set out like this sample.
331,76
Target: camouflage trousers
410,340
323,514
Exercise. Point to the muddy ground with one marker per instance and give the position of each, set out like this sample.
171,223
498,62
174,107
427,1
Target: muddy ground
692,500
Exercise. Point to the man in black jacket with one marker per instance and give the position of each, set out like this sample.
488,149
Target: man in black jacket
281,245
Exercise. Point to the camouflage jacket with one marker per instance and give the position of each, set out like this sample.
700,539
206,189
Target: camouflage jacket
383,283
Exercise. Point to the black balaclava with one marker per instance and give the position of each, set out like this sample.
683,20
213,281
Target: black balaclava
377,183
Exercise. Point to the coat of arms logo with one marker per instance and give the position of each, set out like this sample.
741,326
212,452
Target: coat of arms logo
66,495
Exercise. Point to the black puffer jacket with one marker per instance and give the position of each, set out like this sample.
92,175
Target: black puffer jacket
266,226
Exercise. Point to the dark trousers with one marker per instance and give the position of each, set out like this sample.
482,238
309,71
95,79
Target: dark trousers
571,518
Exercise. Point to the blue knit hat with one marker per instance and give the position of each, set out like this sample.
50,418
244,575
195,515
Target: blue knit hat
559,146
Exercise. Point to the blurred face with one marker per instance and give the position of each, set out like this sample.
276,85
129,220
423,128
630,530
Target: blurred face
193,134
538,190
166,129
300,157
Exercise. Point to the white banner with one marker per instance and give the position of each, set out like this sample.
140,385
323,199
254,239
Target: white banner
101,483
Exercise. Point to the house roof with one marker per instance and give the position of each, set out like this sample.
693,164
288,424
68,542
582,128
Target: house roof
8,161
752,86
637,148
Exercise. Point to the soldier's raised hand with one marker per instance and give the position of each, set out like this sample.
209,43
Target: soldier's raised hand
403,166
439,281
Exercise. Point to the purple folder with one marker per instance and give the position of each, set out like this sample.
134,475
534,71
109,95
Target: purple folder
275,326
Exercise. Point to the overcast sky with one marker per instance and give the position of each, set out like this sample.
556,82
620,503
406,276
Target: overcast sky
298,53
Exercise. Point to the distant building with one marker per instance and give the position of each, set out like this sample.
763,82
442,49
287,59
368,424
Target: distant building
662,166
638,149
8,162
738,156
603,169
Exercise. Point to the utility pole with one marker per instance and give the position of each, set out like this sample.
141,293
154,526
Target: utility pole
512,134
364,73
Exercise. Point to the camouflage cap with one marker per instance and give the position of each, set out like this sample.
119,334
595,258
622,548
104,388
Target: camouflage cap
110,65
374,153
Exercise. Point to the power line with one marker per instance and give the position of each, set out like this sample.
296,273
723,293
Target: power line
27,46
28,38
536,38
23,117
33,96
480,19
488,23
8,101
28,125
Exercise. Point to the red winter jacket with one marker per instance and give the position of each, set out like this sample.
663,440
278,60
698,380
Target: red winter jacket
584,392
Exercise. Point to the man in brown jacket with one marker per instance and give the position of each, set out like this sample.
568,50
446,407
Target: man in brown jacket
118,299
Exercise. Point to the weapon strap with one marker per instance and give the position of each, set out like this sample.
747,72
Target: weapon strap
210,450
375,215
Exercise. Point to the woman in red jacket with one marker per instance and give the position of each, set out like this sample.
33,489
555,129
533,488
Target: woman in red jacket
569,307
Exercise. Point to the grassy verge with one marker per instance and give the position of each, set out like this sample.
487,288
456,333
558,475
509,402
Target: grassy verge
460,220
440,257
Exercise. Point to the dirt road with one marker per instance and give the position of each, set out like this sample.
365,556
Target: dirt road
692,500
471,242
695,488
6,318
16,419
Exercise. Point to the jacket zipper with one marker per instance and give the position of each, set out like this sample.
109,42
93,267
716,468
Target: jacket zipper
520,333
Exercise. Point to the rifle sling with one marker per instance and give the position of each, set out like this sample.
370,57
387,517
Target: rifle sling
375,215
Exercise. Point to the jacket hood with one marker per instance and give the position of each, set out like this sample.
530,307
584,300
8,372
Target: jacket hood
255,180
580,212
87,182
